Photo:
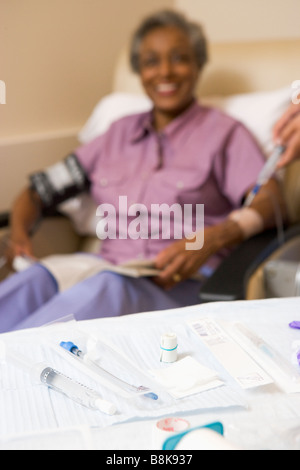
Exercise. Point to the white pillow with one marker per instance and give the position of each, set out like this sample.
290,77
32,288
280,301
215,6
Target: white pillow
257,111
110,108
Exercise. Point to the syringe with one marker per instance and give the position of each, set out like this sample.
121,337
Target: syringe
75,390
266,173
73,349
42,373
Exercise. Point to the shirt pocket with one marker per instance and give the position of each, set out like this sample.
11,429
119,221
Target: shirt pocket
108,183
186,185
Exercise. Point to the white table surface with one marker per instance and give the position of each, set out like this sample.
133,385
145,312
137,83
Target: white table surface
271,419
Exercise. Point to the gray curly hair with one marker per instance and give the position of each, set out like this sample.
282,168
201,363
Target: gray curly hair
169,18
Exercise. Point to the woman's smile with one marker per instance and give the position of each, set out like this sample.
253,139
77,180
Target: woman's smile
166,89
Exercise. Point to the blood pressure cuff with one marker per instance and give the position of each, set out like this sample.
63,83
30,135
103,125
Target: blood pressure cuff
60,182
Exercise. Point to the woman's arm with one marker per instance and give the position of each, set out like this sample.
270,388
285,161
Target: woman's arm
48,188
25,213
177,263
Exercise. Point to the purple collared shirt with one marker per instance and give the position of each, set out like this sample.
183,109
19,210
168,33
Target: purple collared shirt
202,157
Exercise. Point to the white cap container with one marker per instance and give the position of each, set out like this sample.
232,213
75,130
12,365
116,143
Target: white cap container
168,348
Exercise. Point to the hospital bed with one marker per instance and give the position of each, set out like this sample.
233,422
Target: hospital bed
251,81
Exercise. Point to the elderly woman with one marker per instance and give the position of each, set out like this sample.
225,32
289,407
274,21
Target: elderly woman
178,153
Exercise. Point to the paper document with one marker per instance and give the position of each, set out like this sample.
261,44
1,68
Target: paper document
246,372
70,269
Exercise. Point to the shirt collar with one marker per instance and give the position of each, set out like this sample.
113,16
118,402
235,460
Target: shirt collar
145,127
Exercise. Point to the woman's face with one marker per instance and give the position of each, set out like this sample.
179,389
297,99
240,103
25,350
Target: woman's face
168,71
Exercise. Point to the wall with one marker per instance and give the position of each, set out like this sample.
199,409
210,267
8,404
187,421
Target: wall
240,20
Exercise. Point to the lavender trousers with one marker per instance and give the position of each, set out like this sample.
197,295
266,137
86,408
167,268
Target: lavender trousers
30,298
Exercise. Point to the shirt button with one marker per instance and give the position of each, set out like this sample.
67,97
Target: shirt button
103,182
180,184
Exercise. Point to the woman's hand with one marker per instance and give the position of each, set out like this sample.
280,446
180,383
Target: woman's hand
21,245
178,263
25,213
18,244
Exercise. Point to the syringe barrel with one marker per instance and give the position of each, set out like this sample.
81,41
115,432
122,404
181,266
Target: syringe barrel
75,390
270,166
41,373
63,384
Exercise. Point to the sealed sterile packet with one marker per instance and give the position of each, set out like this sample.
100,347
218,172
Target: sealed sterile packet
106,365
